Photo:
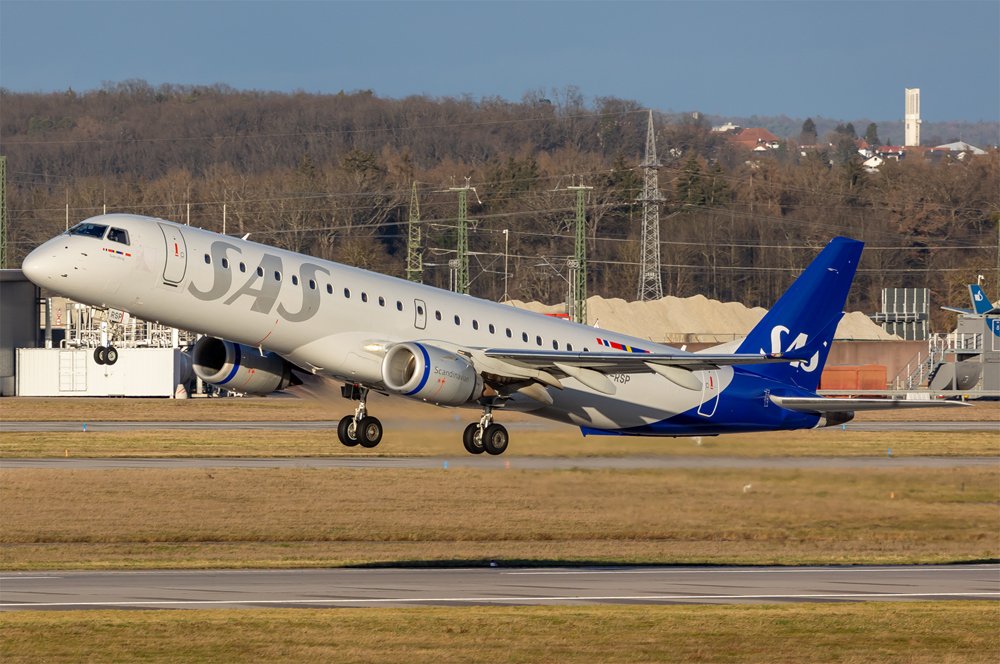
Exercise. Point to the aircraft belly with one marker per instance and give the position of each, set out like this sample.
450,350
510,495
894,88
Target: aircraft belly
641,400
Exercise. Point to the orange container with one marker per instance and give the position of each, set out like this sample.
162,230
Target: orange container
854,377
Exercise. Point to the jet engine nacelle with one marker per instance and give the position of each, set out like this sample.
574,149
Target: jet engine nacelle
431,374
240,368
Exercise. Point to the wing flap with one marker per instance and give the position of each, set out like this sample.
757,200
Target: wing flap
620,362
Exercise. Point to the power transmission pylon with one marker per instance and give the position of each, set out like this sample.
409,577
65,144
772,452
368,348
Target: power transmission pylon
3,212
460,264
650,283
576,303
414,257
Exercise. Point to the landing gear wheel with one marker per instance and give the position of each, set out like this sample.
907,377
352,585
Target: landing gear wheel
110,355
469,439
369,432
344,431
495,439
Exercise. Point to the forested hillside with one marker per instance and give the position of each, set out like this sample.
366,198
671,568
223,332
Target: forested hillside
331,175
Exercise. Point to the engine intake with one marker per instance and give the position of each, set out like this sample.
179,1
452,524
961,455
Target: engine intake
240,368
431,374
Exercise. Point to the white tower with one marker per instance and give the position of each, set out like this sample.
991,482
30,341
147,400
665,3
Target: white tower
912,133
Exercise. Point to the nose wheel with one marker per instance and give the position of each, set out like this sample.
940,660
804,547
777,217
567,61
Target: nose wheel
360,428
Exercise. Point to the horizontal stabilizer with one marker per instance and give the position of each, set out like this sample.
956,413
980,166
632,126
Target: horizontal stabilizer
837,405
614,362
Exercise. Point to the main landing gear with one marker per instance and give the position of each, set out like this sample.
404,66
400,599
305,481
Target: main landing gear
106,355
485,435
359,428
364,430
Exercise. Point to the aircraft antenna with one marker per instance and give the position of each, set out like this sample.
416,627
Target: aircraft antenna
414,255
650,283
576,303
3,212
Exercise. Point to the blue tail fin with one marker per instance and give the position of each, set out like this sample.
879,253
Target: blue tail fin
980,303
805,318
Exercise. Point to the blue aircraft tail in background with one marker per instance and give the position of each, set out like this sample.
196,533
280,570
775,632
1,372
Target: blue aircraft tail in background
803,320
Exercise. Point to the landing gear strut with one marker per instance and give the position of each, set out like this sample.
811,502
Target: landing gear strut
360,428
485,435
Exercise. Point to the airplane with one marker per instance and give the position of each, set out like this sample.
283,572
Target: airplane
981,305
272,318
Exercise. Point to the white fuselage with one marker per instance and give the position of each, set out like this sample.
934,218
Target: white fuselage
337,321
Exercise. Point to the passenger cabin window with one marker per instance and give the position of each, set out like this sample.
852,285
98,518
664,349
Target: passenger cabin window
225,261
399,305
312,284
381,301
509,333
88,229
458,321
475,324
295,280
329,289
277,276
119,235
243,267
437,315
260,272
524,337
364,296
569,347
492,329
208,259
347,293
555,345
538,341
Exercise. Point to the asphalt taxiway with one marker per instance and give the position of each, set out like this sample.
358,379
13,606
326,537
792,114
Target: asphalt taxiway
491,586
485,462
314,425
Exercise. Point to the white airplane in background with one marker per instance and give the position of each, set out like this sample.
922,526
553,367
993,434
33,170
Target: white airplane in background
270,316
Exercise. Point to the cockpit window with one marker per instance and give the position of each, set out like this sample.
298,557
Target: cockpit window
88,229
118,235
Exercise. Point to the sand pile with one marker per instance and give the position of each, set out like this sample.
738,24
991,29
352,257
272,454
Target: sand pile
694,319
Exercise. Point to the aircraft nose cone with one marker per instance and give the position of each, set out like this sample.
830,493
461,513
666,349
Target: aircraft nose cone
36,266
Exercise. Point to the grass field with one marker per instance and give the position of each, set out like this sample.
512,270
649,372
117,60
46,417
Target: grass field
151,518
418,429
917,632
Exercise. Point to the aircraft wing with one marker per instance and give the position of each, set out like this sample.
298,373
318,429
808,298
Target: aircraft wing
618,362
838,405
592,369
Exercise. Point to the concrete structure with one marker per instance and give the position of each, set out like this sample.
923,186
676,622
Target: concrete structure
18,324
912,117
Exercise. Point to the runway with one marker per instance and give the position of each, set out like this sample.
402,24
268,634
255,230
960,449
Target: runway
491,586
506,463
68,426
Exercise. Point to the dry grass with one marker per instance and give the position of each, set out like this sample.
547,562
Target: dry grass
322,517
918,632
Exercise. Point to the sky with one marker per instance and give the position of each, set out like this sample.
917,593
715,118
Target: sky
836,59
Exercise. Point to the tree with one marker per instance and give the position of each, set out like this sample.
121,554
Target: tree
808,134
871,135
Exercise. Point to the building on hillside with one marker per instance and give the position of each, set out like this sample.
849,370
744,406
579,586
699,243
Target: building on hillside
962,149
755,139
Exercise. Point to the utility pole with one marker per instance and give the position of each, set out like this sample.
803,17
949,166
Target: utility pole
650,282
576,303
460,264
3,212
414,258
